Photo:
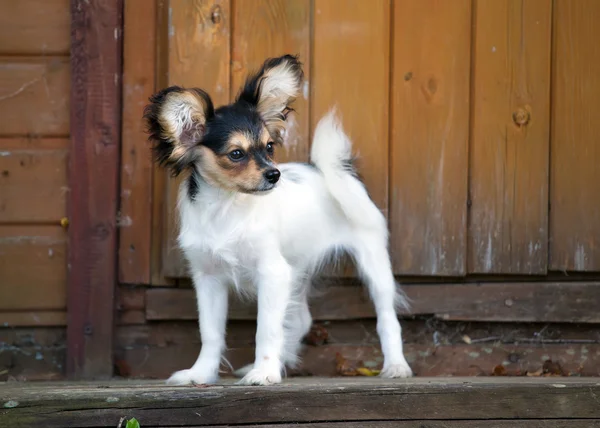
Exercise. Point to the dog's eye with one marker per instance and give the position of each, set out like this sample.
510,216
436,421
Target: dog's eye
236,155
270,148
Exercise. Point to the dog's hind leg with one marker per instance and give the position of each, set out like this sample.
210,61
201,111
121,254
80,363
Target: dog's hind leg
373,262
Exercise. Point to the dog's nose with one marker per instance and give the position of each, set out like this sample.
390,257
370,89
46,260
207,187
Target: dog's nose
272,176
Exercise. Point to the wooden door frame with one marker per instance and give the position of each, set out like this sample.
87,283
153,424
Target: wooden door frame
94,165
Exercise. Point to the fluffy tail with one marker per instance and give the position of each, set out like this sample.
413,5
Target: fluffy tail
331,153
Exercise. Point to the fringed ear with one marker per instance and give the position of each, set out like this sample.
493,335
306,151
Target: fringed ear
273,89
176,120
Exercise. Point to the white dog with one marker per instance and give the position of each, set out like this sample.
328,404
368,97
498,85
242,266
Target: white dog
267,229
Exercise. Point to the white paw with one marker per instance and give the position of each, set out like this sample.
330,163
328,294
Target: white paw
191,377
396,370
261,376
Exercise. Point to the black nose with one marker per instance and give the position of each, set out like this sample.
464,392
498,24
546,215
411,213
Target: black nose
272,176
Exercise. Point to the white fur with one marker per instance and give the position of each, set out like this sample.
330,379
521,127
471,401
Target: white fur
270,245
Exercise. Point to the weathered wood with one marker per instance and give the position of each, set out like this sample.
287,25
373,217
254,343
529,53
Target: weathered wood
33,183
30,318
575,146
130,305
264,29
28,354
510,133
430,131
33,268
96,49
139,76
512,302
198,56
350,70
34,96
427,423
372,400
34,27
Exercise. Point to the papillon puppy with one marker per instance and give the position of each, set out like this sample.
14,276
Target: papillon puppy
266,229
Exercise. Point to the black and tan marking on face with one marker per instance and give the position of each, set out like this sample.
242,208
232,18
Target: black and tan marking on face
238,153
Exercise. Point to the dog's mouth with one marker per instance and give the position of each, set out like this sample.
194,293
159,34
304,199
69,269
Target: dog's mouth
262,190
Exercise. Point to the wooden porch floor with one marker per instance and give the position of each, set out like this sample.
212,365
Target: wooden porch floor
315,402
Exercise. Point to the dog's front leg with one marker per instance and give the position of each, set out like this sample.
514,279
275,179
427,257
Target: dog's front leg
274,281
211,294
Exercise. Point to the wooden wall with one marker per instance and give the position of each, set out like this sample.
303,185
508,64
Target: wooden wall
34,149
473,121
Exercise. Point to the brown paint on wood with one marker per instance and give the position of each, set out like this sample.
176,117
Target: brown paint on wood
34,96
96,44
575,146
33,183
34,318
139,76
509,151
35,27
372,400
198,56
264,29
510,302
131,305
33,267
350,70
430,131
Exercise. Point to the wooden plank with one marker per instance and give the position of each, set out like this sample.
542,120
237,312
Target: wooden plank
139,76
31,354
430,131
350,70
33,183
99,405
198,56
94,173
508,230
131,305
264,29
34,96
426,423
35,27
575,147
32,318
33,268
511,302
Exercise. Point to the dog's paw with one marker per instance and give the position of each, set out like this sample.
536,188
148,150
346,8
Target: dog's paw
396,371
261,376
190,377
243,371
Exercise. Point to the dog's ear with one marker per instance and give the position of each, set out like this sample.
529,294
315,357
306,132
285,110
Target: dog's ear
176,120
273,89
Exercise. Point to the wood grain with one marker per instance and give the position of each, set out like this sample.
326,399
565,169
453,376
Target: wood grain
33,182
263,29
35,27
34,318
34,96
99,405
350,70
508,301
575,147
139,76
430,131
33,268
94,180
198,56
509,153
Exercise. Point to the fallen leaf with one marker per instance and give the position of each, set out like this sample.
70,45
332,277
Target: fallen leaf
466,339
364,371
499,370
536,373
318,335
343,367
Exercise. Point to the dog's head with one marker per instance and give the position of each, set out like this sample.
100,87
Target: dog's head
231,147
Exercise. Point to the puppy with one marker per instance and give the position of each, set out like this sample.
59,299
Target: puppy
266,229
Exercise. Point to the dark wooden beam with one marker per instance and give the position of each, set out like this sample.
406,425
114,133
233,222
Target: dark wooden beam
96,50
496,301
358,400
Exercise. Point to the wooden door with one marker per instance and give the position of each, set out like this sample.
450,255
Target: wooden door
473,119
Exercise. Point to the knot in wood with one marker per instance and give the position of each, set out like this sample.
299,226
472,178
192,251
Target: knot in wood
215,16
521,117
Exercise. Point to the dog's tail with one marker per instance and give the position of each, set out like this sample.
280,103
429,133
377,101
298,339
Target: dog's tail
331,153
